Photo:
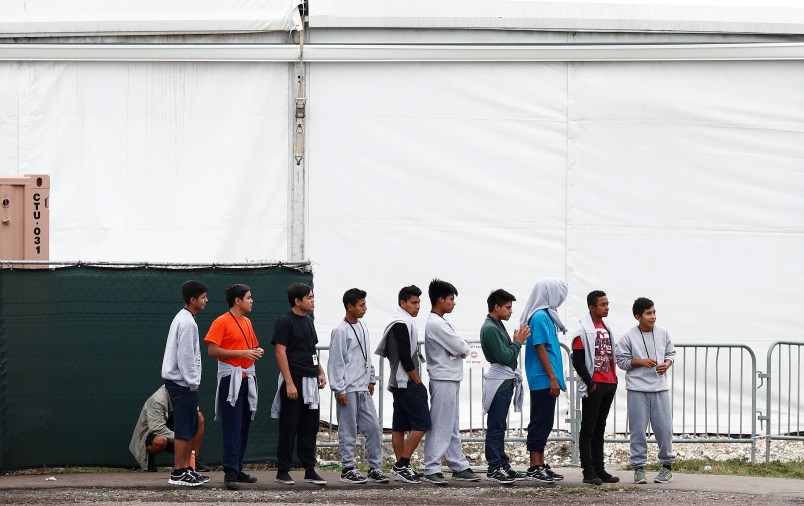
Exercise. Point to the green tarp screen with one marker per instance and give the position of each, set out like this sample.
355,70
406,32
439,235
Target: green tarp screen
81,350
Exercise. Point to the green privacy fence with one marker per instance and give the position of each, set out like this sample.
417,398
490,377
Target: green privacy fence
81,350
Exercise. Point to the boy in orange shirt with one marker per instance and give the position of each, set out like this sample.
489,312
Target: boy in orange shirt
231,339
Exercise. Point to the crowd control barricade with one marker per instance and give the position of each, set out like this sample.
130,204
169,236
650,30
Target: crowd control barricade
713,394
783,421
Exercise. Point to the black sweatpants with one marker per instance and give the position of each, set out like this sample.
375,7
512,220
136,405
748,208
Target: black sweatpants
594,412
298,425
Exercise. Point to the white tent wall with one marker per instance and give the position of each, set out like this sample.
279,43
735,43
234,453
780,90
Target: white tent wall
677,181
46,18
155,162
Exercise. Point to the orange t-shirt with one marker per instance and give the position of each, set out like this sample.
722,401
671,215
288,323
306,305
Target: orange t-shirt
233,333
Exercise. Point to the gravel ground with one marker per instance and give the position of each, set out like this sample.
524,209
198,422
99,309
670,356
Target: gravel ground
525,496
461,494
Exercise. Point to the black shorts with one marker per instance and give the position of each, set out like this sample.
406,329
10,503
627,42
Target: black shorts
150,439
185,410
411,411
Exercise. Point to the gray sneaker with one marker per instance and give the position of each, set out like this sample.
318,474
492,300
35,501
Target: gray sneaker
465,475
665,476
639,476
435,479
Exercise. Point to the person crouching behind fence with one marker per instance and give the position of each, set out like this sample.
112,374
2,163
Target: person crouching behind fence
545,370
231,340
503,382
646,352
352,379
153,433
593,358
181,370
411,413
300,378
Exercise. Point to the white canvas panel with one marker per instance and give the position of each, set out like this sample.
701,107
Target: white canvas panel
686,184
422,171
164,162
37,18
723,16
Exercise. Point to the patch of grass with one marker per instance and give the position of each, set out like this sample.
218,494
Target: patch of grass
739,467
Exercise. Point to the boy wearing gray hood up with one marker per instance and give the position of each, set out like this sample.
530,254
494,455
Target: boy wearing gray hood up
646,352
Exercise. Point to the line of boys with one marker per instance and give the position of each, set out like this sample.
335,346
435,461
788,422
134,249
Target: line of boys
352,376
231,339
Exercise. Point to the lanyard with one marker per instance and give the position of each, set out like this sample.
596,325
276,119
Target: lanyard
655,351
363,350
248,345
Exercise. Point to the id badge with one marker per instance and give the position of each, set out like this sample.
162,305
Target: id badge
315,359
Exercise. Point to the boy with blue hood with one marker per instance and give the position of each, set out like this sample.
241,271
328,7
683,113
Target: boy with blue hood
544,369
646,352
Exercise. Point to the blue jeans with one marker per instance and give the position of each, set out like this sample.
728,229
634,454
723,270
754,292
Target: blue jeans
542,411
495,429
185,410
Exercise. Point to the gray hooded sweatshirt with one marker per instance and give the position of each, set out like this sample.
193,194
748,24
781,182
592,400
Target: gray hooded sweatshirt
349,366
636,344
399,377
445,350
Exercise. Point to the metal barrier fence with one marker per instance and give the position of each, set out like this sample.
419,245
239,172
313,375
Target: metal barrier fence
713,396
782,380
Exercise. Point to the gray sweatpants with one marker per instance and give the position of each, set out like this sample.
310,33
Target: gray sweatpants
654,407
359,414
443,438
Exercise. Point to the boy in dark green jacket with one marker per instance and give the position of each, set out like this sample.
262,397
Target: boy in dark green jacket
503,381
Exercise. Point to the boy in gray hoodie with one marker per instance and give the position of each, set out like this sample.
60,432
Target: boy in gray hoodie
646,352
351,378
445,351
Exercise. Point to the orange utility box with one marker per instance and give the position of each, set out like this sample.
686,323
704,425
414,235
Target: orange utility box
25,217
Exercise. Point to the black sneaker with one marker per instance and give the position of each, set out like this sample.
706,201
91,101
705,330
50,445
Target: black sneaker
200,467
353,476
284,477
500,476
310,476
552,474
405,474
591,478
539,473
377,476
516,475
230,480
199,477
435,479
183,477
606,477
245,478
465,475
